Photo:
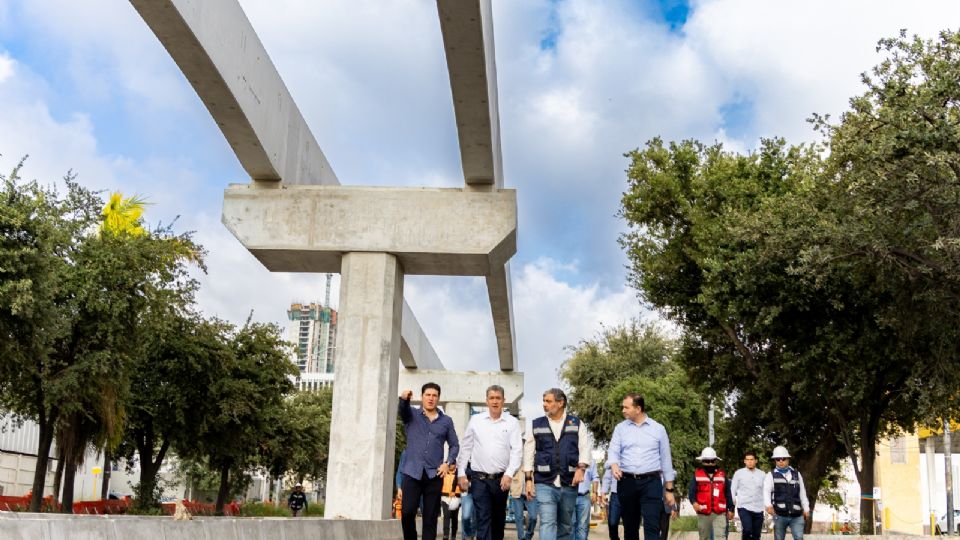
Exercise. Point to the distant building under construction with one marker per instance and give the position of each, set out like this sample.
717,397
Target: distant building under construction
313,331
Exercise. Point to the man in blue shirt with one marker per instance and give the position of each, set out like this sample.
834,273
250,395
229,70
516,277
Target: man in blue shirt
639,455
585,499
427,428
608,497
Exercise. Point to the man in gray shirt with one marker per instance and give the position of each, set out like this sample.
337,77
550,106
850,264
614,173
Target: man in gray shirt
747,492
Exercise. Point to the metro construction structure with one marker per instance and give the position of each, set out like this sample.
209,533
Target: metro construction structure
294,216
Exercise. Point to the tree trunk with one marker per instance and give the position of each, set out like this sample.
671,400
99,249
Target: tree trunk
105,484
69,475
868,455
224,489
43,460
813,469
57,481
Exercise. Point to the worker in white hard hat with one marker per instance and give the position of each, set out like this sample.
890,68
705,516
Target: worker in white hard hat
709,494
785,497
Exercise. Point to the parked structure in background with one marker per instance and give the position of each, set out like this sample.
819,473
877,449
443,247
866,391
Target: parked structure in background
312,328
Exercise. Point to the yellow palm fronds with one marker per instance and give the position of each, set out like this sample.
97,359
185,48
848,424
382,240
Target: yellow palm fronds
123,215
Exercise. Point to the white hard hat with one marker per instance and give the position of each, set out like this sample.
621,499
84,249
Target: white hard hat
780,452
708,453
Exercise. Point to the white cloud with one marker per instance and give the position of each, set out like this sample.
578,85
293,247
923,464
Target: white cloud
6,67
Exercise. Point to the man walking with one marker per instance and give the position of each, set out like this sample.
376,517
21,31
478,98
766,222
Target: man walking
785,497
585,500
297,500
519,502
608,497
427,429
747,492
492,448
555,460
709,492
639,454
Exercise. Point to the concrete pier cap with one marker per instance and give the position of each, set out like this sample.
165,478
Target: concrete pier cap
431,231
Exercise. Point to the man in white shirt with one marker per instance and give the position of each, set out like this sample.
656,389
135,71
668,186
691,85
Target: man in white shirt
747,492
492,448
785,497
555,459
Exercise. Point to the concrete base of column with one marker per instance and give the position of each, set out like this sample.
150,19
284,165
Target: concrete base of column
360,470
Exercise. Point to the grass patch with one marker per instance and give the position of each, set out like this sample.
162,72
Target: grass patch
314,510
259,509
683,524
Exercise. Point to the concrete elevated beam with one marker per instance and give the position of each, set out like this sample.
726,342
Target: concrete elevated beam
222,57
431,231
218,51
463,386
416,351
467,29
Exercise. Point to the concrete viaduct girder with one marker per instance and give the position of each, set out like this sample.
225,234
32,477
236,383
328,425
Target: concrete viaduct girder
224,60
217,49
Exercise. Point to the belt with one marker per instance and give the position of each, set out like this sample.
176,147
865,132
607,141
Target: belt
639,476
487,476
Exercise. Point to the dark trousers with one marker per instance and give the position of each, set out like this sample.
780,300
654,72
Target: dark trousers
640,499
450,521
413,490
752,523
490,507
613,516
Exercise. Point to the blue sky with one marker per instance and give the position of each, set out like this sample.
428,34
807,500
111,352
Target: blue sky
86,86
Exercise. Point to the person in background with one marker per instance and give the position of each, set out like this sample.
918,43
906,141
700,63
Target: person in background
297,501
586,496
709,493
608,498
747,491
785,497
450,506
519,503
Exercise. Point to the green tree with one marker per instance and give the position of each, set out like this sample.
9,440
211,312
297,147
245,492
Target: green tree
248,399
637,358
181,359
300,442
705,226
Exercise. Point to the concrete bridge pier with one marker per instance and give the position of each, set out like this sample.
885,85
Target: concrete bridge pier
363,428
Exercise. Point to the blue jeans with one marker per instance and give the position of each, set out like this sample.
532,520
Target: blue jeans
556,506
581,521
613,516
468,526
524,532
780,524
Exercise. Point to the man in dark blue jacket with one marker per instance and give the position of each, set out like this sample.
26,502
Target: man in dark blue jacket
427,429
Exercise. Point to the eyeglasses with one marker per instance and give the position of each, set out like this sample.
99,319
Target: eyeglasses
709,462
781,459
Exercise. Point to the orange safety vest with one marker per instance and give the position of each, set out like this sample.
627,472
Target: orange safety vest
450,486
706,488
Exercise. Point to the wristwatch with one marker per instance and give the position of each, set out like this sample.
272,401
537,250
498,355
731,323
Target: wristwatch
668,490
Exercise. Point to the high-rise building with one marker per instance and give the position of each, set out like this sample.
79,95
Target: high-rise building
313,331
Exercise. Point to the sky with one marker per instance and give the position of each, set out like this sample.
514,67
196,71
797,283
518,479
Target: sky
86,87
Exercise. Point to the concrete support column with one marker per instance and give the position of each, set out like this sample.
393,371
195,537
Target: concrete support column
360,470
460,414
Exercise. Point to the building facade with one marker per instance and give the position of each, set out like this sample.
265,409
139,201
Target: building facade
312,328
